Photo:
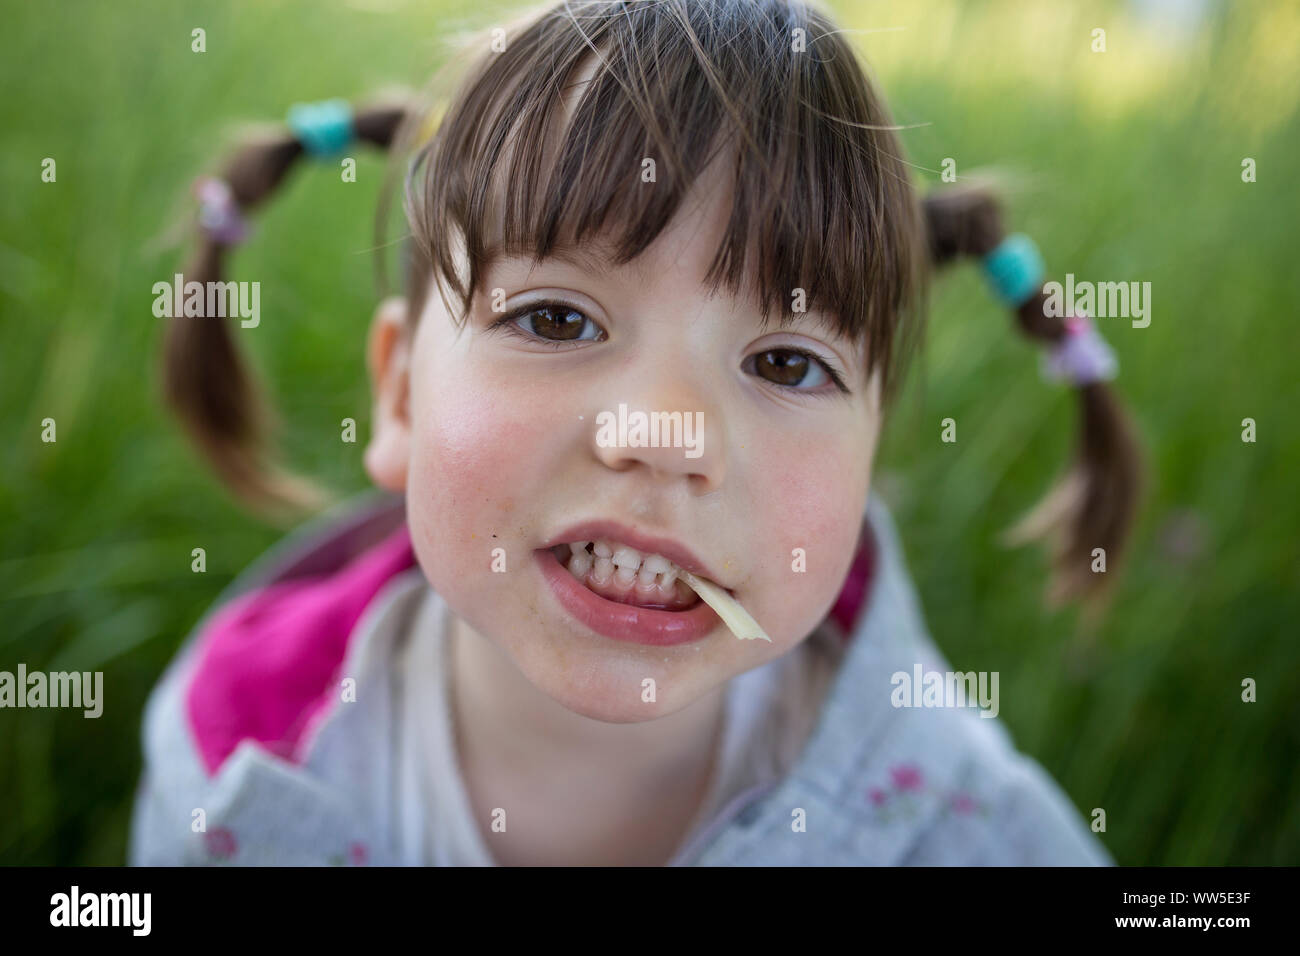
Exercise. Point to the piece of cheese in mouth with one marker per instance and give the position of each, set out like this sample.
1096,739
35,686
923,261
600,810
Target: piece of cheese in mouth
741,623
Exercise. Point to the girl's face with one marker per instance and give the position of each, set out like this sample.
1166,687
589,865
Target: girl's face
498,446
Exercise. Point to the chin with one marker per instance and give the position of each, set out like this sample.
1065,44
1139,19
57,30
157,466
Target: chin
611,690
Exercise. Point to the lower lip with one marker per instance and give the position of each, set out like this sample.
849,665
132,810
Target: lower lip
625,622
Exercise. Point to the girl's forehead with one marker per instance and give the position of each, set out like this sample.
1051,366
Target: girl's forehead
683,250
674,267
676,263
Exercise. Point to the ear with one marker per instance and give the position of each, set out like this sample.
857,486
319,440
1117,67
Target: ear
388,351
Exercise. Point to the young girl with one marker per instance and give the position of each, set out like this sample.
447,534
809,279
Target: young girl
550,640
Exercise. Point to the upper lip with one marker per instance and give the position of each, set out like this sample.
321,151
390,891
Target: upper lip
676,552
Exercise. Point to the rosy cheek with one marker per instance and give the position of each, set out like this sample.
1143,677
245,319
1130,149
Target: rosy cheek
815,497
469,475
466,446
472,461
816,509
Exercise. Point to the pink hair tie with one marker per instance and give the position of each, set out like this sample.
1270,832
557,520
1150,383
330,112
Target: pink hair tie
219,215
1081,357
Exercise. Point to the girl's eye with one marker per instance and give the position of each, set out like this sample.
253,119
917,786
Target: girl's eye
793,369
551,322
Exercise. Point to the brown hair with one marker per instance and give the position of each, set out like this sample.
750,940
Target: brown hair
822,201
205,378
1094,503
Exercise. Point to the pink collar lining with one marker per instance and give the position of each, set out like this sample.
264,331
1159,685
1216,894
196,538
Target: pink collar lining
268,661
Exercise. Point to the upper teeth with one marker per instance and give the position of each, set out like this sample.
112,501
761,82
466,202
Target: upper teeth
630,563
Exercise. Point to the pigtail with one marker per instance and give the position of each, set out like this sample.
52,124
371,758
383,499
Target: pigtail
206,379
1094,504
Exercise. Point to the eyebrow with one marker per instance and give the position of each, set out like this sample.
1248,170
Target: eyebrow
585,257
590,259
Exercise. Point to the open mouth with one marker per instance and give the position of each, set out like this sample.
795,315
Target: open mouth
627,594
625,575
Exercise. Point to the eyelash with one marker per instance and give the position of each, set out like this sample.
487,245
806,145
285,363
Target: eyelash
507,324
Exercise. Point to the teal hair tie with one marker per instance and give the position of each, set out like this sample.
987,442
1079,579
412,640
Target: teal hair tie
322,128
1015,269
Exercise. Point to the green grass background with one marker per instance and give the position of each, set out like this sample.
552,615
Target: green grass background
1126,165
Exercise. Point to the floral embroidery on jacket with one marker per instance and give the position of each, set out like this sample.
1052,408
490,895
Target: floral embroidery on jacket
220,844
908,791
357,855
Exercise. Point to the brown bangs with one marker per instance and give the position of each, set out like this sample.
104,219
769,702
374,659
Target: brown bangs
549,143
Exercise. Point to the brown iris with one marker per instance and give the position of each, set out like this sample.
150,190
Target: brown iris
782,367
557,322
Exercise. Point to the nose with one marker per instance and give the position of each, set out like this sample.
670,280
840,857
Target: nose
675,433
